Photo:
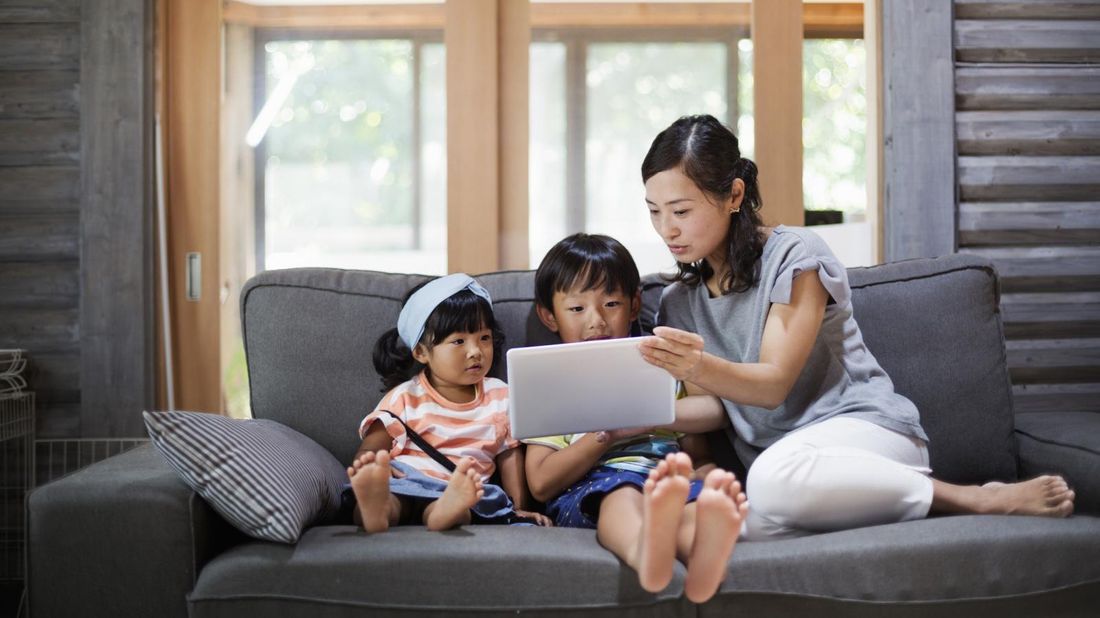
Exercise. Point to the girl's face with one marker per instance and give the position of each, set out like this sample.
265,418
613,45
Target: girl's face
589,315
692,225
458,363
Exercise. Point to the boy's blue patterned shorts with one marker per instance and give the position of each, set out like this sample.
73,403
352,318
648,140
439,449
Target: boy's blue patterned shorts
579,506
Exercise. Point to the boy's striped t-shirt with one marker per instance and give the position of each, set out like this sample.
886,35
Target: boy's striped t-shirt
479,429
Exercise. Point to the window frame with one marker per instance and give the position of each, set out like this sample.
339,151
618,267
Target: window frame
416,36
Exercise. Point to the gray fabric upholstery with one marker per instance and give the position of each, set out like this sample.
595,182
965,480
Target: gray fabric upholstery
126,538
474,567
1066,443
123,537
935,327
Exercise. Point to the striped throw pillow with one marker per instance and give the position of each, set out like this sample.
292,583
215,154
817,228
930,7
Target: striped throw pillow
268,480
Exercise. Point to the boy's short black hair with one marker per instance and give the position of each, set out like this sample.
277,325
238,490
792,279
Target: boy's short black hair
588,260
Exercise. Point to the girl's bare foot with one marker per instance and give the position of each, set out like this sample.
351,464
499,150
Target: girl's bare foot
665,494
720,509
1047,495
462,493
370,481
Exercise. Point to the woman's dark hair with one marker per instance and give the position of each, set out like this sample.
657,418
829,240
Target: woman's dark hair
706,151
591,260
462,312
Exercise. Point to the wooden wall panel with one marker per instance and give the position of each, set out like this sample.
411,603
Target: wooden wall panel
40,237
919,134
39,11
40,46
116,319
40,142
1028,127
40,94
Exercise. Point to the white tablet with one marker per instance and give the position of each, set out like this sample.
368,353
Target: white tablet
590,386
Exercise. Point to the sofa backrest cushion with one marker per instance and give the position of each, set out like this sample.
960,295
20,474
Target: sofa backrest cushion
935,327
309,334
933,324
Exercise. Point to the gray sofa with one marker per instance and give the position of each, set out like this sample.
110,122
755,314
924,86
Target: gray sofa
125,537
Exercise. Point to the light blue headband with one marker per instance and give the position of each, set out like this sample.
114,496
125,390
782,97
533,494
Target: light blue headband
410,323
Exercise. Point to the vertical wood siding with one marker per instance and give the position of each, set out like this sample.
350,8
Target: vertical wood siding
1027,124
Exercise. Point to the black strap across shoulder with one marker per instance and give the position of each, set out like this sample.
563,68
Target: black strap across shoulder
419,440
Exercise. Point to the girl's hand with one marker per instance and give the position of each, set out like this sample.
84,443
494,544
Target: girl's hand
539,518
676,351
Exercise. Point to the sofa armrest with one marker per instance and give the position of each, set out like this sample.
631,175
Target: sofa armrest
1066,443
123,537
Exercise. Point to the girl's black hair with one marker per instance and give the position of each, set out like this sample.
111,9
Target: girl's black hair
590,260
706,151
462,312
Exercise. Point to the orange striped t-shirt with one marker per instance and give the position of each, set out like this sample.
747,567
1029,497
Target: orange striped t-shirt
479,429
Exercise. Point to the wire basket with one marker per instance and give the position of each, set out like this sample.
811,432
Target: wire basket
16,478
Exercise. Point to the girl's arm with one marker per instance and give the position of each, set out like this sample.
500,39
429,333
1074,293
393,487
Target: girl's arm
377,439
512,477
550,471
789,335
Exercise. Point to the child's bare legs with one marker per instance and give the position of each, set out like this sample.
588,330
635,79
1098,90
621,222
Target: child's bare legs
453,507
636,527
376,508
1046,495
718,512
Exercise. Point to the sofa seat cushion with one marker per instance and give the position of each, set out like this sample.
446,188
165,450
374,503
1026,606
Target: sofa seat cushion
1066,443
338,570
933,561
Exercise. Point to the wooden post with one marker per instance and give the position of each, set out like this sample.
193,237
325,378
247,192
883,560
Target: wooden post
473,136
116,218
192,101
515,44
777,107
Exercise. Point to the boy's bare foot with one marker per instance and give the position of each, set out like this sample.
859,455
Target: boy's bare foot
665,494
462,493
720,509
370,481
1047,496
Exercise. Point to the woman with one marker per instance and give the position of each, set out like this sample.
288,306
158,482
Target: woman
761,317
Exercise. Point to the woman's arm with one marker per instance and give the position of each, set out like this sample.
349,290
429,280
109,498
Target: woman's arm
699,414
550,471
789,335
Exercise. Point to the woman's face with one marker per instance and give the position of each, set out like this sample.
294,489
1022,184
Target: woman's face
693,226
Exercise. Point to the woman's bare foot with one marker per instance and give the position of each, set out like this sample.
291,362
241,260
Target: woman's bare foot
665,494
1047,496
370,481
719,511
462,493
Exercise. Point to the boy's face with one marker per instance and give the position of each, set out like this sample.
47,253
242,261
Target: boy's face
587,315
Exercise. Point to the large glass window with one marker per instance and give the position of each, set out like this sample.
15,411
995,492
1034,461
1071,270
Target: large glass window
596,104
597,101
351,154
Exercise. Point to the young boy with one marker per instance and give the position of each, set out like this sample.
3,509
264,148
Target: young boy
636,487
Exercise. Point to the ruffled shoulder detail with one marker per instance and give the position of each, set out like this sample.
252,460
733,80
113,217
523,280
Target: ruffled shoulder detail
801,250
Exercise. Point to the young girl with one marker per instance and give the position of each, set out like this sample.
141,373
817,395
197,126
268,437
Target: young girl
762,318
634,486
435,364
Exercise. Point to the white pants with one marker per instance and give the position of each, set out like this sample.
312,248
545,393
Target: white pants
837,474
